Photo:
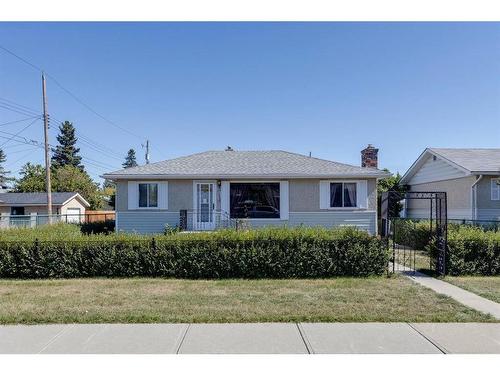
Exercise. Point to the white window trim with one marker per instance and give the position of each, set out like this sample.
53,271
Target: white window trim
281,218
157,208
355,208
495,186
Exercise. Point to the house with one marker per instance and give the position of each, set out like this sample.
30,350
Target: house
211,189
31,208
469,176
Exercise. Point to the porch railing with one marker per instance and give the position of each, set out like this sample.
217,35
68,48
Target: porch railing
201,220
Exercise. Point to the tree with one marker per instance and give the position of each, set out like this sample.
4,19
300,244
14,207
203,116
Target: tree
65,178
32,179
71,178
130,159
66,153
109,192
392,183
4,175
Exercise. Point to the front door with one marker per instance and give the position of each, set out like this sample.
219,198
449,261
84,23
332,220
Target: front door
205,206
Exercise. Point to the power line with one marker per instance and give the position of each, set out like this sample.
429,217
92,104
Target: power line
19,132
16,110
76,98
17,121
19,105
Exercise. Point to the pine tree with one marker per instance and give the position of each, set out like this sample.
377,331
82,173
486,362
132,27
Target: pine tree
65,152
130,159
4,175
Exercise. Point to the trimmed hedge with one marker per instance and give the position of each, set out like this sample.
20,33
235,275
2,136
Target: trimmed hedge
411,233
270,253
98,227
472,251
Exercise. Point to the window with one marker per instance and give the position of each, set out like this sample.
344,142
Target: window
17,211
255,200
495,189
148,195
343,194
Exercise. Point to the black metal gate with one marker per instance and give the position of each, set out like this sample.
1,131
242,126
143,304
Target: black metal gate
416,243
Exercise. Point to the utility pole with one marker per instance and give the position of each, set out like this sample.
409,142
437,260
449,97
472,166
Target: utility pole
147,151
47,159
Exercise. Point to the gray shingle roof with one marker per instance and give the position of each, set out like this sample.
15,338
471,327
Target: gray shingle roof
219,164
27,199
472,159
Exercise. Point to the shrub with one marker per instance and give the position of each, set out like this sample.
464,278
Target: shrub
473,251
414,234
43,232
98,227
268,253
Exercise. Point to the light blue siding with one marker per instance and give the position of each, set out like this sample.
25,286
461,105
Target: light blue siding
154,222
366,220
145,221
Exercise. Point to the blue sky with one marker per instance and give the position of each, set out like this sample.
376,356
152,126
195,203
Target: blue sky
328,88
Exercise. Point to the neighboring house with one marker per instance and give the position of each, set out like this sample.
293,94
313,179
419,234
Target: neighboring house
32,207
258,188
469,176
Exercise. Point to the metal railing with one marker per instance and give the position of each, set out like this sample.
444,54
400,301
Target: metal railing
35,220
493,225
204,220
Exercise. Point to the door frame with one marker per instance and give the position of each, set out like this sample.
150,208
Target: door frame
196,224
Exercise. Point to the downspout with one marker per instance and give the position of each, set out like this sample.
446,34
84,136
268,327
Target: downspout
473,197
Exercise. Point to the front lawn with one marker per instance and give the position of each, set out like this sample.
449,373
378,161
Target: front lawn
143,300
485,286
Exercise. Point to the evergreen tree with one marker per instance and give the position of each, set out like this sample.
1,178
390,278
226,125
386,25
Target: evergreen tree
66,153
130,159
4,175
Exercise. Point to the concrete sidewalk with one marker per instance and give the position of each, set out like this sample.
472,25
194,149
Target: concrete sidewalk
256,338
463,296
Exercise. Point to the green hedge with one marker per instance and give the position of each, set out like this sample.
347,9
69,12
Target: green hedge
98,227
411,233
278,253
473,251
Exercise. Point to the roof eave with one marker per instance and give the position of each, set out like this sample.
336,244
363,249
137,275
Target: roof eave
243,176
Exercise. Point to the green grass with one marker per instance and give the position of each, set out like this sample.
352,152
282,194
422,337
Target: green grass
142,300
485,286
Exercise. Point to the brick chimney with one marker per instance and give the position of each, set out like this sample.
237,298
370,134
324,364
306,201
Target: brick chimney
369,157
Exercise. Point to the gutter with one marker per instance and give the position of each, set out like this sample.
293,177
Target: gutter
473,197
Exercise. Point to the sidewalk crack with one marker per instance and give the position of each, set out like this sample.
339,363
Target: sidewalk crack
181,341
304,338
438,347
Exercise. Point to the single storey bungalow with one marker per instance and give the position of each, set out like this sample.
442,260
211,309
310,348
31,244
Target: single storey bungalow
214,189
31,208
469,176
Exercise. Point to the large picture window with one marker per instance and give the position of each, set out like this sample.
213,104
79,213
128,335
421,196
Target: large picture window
255,200
148,195
343,194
